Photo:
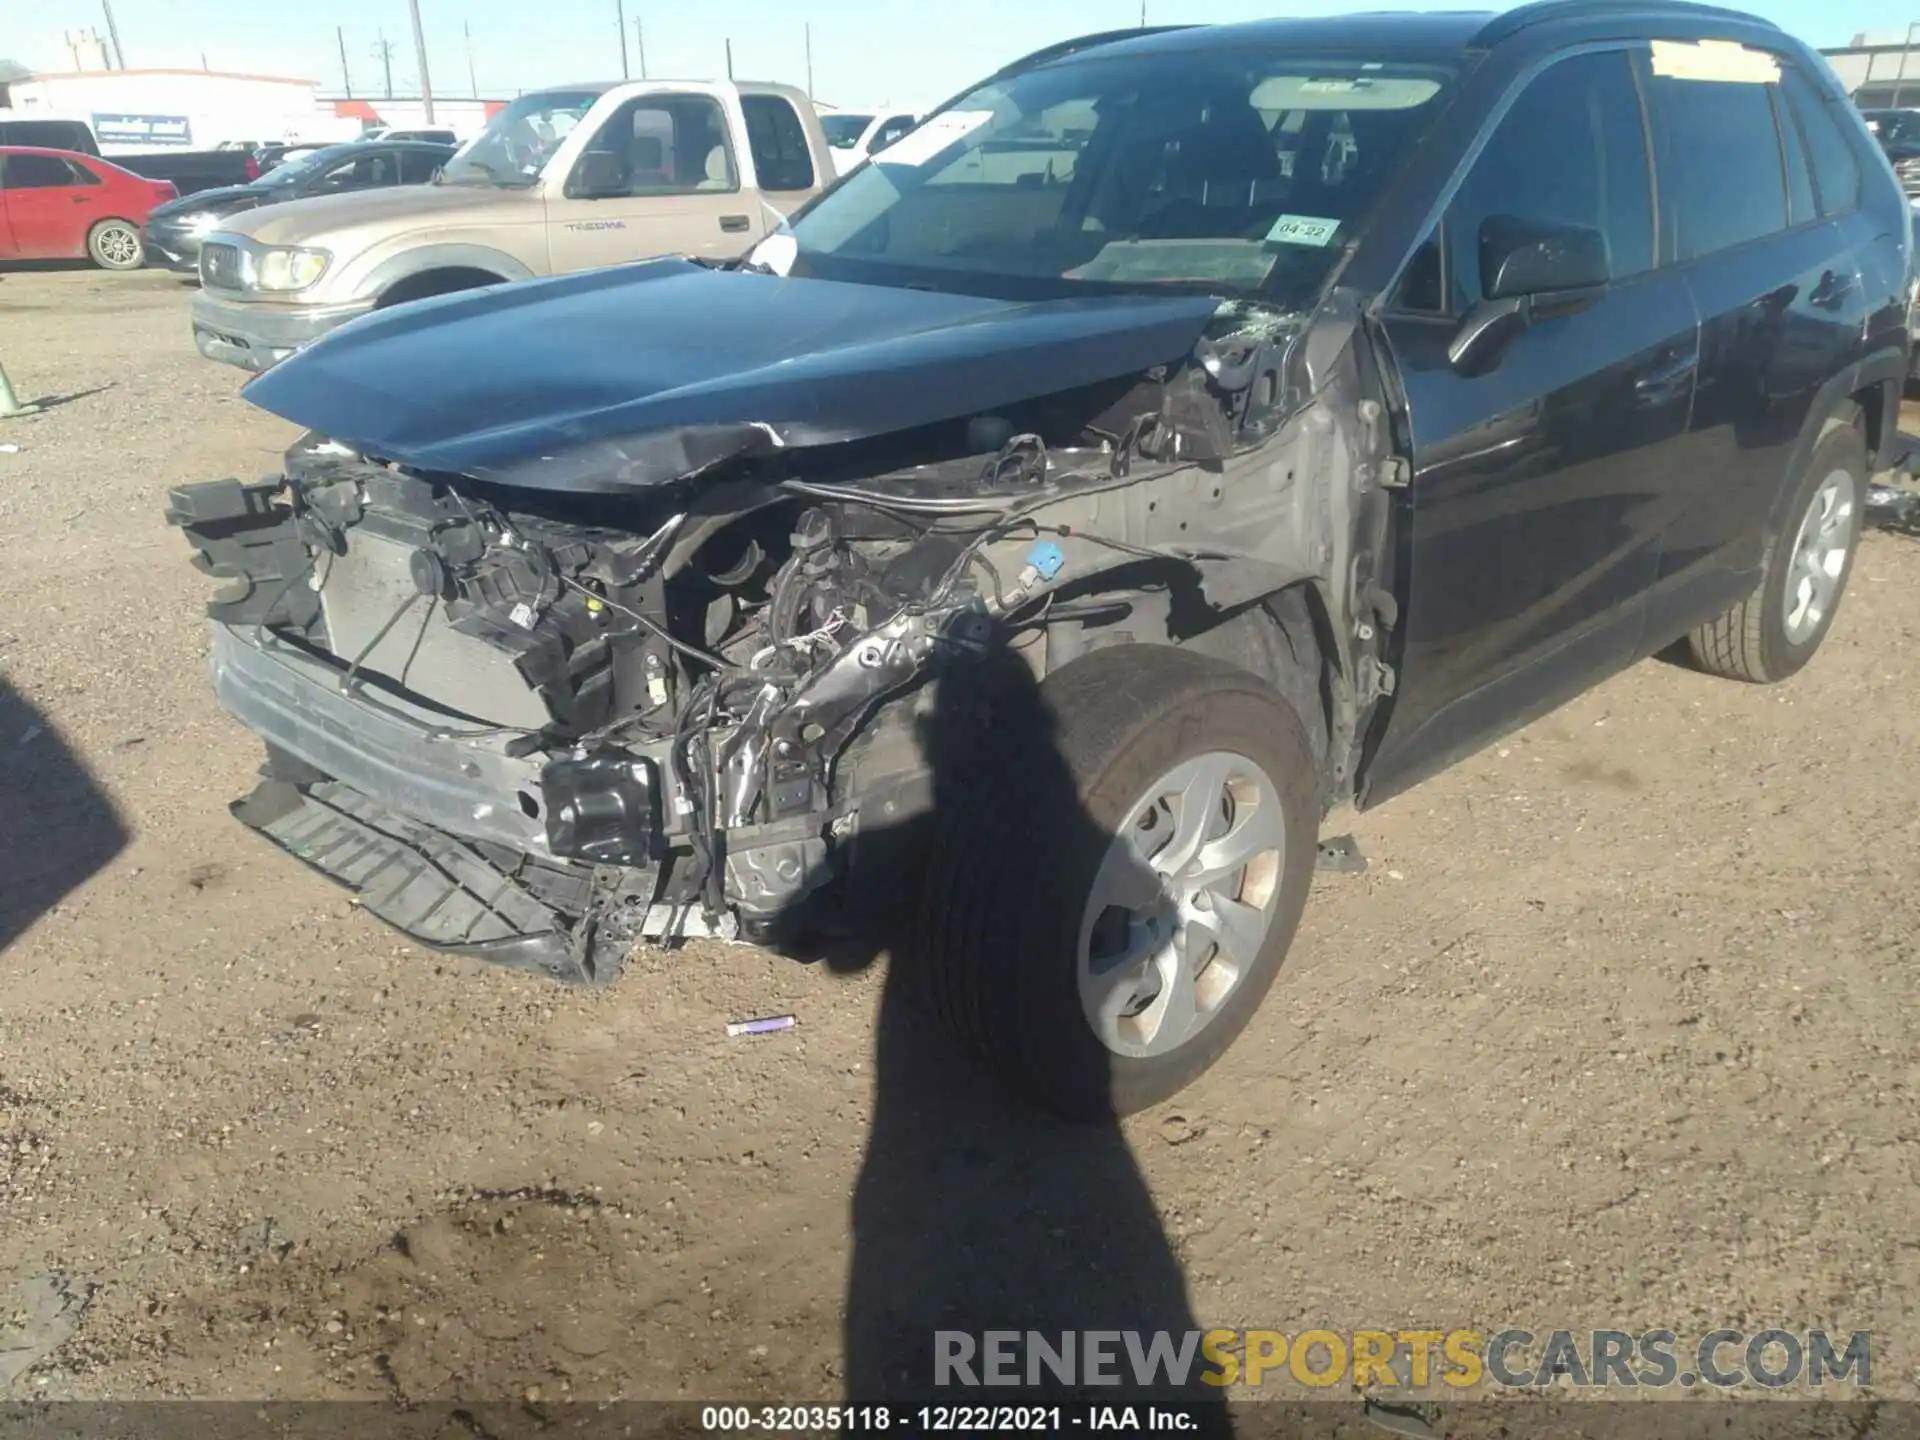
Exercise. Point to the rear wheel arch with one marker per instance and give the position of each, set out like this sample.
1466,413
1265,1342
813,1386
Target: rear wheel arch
1753,641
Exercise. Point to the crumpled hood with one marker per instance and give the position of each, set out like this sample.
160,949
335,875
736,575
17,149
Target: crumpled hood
646,373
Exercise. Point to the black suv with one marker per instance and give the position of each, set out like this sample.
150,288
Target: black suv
1009,563
1898,133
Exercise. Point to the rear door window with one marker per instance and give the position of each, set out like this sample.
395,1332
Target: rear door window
781,158
363,172
40,172
1571,151
417,166
1836,169
1718,156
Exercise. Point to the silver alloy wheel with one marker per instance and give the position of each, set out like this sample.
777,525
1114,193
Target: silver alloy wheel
1819,557
1181,904
117,245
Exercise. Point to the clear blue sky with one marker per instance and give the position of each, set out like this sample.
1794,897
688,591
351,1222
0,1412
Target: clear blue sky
865,52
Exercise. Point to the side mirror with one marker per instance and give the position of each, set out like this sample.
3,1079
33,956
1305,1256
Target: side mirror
1520,257
1526,268
600,175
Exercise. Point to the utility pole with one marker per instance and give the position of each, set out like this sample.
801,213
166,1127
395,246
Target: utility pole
809,59
1899,79
620,14
383,52
1143,14
420,54
640,39
113,33
473,81
729,57
346,75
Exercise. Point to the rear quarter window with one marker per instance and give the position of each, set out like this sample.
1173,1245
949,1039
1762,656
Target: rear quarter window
778,140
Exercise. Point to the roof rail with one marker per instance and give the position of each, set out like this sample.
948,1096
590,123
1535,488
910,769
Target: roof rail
1542,12
1083,42
1060,50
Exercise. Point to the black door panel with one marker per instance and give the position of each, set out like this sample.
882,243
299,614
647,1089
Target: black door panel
1539,496
1782,308
1779,317
1543,484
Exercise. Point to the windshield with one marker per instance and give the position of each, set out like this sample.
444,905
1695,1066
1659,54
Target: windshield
844,131
1237,173
519,140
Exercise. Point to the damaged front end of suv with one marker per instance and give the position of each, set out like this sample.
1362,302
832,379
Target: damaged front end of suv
540,689
993,568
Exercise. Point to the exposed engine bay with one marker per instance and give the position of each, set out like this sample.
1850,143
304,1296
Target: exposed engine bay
542,724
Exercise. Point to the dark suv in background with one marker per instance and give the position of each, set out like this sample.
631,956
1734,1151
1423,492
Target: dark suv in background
1898,134
1015,557
173,232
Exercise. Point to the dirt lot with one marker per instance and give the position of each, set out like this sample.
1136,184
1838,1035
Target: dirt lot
1618,1031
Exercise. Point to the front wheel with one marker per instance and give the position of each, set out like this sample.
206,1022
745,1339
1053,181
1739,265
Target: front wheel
116,245
1774,631
1118,876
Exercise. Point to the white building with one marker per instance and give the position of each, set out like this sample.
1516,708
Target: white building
135,110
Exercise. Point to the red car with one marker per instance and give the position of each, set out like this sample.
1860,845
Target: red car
56,205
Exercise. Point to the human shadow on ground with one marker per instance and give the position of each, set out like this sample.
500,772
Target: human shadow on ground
57,827
975,1212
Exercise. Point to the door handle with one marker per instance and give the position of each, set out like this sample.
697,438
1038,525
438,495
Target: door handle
1831,290
1660,385
76,199
734,224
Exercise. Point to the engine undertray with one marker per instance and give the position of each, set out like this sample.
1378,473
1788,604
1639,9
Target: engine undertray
460,896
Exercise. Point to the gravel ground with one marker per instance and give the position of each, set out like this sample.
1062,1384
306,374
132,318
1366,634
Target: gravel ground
1617,1031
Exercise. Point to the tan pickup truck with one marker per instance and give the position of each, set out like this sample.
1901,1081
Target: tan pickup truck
560,180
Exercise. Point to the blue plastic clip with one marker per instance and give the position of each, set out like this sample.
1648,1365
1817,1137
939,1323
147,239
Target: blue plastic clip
1046,559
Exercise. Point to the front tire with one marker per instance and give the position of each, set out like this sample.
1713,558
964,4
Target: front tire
1116,877
1772,633
116,245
